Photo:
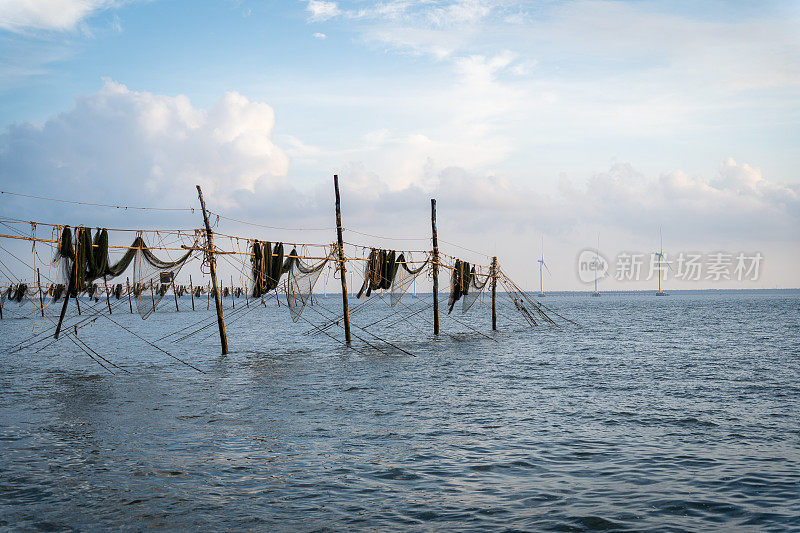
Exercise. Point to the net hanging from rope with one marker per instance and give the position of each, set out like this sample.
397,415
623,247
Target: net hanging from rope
459,283
474,290
82,259
404,277
301,280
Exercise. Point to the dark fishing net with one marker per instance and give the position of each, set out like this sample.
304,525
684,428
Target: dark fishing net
459,283
268,267
475,288
82,259
379,271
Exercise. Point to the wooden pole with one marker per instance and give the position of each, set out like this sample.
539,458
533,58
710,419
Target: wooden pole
435,269
343,271
208,296
108,302
191,290
174,293
233,294
41,299
153,295
78,303
128,284
66,299
213,268
494,293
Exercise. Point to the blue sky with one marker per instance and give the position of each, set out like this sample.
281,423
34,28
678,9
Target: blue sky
561,119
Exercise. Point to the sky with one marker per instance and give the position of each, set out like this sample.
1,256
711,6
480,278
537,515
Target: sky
540,127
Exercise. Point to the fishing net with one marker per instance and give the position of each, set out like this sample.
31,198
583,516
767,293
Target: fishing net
301,280
405,276
82,259
459,283
475,288
152,277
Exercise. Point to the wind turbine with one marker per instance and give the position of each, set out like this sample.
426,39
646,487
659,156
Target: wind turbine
542,264
596,265
660,256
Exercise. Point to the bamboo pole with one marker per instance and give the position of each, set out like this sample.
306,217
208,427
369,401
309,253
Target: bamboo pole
128,284
108,301
191,290
343,272
41,299
435,268
174,292
213,268
494,293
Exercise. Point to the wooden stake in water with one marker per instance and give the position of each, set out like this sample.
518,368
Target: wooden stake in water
66,300
233,294
494,293
191,290
41,299
343,271
174,292
213,269
108,302
128,285
435,268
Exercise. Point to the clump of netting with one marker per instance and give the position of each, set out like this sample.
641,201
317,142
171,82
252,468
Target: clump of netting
465,285
386,270
270,264
82,259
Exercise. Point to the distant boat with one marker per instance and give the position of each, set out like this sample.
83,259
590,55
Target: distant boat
542,264
660,255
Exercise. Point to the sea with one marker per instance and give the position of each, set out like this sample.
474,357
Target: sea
633,412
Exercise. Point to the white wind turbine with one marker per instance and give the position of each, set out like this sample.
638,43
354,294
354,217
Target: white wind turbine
660,256
541,265
597,265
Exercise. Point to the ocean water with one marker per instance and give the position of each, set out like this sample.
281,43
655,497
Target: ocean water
668,413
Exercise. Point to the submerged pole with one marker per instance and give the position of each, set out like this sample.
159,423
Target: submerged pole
213,268
191,290
233,294
39,283
494,293
174,292
108,301
128,285
66,299
435,269
343,272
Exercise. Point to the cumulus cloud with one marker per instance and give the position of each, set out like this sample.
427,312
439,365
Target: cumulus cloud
143,147
738,203
320,36
58,15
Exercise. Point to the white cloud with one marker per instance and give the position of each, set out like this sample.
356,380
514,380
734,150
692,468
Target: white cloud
320,10
320,36
60,15
146,148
